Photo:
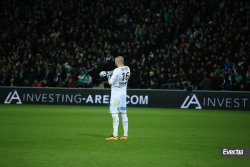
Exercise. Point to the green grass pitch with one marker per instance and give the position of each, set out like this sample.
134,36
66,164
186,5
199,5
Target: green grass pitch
74,136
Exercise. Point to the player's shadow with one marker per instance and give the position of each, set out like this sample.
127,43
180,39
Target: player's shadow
94,135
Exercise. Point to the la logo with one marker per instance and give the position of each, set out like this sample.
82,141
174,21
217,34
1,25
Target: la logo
193,100
14,96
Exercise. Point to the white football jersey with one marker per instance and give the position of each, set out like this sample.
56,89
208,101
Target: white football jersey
119,81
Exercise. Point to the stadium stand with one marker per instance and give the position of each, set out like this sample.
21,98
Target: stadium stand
168,44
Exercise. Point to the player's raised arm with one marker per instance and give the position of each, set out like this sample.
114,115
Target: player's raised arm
111,71
109,81
112,78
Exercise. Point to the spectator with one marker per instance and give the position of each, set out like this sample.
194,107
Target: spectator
96,77
5,79
248,81
61,83
231,79
12,82
225,81
192,78
39,74
179,86
68,77
36,84
170,81
32,76
247,73
242,87
152,85
227,64
206,83
48,76
88,81
82,77
71,84
238,80
45,83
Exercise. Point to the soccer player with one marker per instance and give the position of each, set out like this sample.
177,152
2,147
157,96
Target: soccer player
118,82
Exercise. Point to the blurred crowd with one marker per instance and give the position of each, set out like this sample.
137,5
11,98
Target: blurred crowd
168,44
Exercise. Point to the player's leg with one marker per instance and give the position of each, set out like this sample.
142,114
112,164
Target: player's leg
115,124
114,112
125,125
123,111
115,118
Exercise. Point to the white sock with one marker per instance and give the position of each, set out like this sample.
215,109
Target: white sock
115,124
125,124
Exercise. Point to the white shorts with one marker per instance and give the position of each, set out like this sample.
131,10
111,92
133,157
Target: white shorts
118,104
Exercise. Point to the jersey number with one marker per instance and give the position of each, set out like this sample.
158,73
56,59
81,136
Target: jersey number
125,76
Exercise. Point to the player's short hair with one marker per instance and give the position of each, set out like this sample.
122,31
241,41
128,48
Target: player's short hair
119,59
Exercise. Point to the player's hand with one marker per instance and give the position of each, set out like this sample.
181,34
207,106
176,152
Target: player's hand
109,74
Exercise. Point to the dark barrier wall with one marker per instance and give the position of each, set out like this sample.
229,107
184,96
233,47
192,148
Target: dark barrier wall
135,98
